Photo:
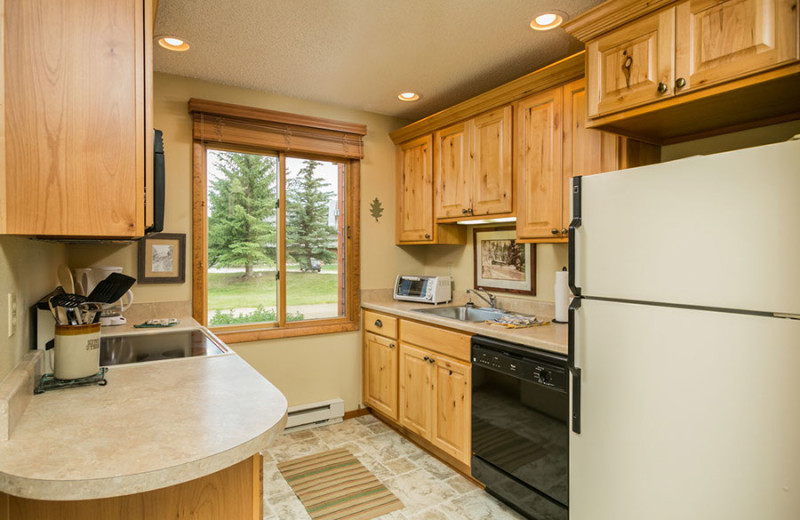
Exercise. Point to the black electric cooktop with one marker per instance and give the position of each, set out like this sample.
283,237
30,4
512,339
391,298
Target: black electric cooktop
156,346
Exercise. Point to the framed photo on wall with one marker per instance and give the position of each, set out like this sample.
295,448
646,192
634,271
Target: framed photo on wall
502,264
162,258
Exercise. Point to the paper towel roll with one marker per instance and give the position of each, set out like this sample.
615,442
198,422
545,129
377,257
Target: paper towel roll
562,296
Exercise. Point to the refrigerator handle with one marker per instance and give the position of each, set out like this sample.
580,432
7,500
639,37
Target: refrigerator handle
573,370
575,224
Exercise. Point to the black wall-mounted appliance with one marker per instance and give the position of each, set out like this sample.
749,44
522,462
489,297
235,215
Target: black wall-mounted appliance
158,183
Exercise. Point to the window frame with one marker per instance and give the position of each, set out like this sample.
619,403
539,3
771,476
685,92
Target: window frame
260,331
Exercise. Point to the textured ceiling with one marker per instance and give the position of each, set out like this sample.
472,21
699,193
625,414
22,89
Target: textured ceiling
362,53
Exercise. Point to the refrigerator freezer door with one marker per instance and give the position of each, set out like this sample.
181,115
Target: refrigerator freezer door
714,231
685,414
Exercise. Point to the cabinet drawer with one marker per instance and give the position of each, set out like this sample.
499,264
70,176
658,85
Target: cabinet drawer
450,343
382,324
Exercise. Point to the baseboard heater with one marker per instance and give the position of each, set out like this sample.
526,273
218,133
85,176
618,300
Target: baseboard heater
311,415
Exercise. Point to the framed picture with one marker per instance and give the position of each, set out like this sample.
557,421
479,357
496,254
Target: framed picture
162,258
503,265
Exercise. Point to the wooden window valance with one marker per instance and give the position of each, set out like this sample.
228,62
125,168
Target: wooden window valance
280,131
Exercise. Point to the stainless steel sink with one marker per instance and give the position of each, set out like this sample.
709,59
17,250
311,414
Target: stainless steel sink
464,313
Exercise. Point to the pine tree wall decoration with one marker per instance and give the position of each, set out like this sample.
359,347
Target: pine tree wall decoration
375,209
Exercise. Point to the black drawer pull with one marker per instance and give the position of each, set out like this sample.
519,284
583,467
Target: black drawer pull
378,323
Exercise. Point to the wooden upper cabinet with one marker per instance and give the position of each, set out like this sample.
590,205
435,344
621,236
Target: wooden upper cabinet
538,165
451,170
472,168
553,145
717,41
633,65
667,71
75,99
380,374
492,184
586,151
415,191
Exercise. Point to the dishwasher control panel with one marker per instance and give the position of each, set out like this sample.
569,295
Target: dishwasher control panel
526,368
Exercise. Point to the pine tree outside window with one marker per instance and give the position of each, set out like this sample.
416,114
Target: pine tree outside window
275,241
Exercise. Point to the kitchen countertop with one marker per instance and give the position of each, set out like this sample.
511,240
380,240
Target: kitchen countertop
154,425
551,337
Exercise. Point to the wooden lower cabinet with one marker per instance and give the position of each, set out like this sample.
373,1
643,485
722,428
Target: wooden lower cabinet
436,399
428,379
452,407
234,493
380,362
416,390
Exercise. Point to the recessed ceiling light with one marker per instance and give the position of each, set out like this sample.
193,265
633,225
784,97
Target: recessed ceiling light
408,96
173,43
547,21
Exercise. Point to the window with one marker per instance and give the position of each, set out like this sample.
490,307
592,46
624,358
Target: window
275,224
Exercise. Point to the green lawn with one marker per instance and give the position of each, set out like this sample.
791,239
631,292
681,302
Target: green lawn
230,291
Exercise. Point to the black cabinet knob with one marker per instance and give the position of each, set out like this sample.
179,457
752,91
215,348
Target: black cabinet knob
662,87
378,323
680,83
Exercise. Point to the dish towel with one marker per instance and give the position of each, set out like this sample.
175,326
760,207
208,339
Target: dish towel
517,322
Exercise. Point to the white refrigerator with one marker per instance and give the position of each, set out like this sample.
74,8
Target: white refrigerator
685,339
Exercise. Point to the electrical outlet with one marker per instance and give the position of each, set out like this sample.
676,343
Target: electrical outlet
12,314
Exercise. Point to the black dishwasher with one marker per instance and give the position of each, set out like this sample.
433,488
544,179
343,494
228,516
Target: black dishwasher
520,426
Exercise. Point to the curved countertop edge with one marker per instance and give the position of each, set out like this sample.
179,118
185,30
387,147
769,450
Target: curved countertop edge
139,483
551,338
16,483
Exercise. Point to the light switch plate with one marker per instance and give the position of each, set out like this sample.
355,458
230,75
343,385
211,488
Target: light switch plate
12,314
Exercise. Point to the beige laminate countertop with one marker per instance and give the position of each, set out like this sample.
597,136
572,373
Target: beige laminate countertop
153,425
551,337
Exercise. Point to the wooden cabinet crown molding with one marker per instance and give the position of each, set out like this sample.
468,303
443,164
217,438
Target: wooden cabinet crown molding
610,15
553,75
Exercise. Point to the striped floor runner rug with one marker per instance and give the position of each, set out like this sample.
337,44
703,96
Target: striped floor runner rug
334,485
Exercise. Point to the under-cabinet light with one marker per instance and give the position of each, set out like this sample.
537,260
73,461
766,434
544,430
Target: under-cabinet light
487,221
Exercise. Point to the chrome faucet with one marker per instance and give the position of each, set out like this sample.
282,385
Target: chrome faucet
492,300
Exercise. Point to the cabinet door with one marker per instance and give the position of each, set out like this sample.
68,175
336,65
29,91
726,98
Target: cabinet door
538,166
586,151
380,374
492,181
632,65
415,191
416,395
451,170
74,117
452,390
721,40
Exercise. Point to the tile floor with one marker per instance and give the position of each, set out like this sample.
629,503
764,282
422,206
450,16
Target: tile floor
428,488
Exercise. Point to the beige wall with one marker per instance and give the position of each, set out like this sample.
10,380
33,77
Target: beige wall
27,269
734,141
317,368
458,262
306,369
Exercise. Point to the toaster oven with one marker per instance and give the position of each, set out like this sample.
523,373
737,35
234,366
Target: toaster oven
423,289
